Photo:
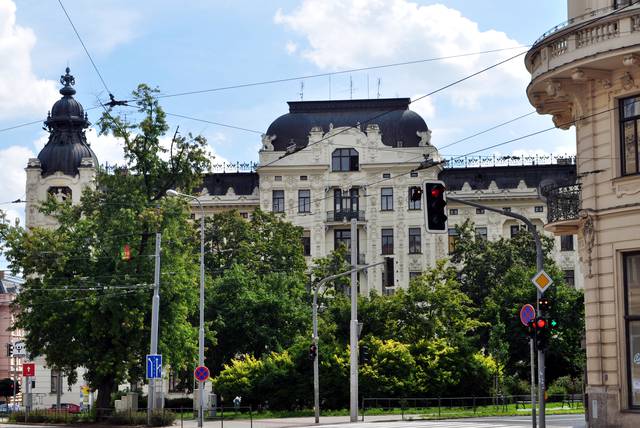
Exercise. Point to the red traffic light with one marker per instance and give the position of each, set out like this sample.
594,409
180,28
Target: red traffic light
437,191
541,323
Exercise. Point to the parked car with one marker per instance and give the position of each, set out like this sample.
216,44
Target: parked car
67,407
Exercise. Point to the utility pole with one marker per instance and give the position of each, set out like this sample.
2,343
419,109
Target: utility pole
318,286
353,402
155,314
539,267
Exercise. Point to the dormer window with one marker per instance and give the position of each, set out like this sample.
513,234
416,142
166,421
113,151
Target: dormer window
344,160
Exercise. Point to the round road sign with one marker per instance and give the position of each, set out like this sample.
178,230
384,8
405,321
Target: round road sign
527,313
201,373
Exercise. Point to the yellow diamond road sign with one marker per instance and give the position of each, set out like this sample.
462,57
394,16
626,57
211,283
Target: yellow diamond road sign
542,281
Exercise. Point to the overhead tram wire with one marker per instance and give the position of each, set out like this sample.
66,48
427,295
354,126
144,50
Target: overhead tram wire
84,47
353,70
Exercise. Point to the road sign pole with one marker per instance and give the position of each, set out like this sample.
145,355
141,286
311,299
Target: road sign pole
540,266
353,401
155,309
533,383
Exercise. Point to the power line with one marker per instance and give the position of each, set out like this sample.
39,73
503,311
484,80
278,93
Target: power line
213,123
352,70
84,47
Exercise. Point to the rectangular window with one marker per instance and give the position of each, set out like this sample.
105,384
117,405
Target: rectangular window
629,121
631,277
244,215
415,240
453,238
507,209
566,242
570,277
414,205
278,201
386,175
344,160
303,178
306,245
538,208
386,199
304,201
342,237
453,211
482,233
413,174
479,210
387,241
55,375
414,274
515,229
277,178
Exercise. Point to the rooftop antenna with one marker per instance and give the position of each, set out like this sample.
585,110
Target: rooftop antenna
301,90
378,96
350,87
329,86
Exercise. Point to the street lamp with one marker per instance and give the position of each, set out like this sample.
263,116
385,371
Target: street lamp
172,192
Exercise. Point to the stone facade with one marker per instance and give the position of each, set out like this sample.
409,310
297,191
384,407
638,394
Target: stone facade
586,75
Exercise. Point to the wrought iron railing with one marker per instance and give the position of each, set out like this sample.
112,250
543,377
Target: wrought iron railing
497,160
343,215
563,203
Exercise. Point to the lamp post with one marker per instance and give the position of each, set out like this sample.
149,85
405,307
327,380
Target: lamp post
172,192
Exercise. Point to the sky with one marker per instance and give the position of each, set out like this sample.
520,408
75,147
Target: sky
195,45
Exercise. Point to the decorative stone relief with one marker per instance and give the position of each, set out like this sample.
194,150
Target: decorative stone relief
425,138
631,60
34,163
267,142
630,188
230,191
586,242
627,81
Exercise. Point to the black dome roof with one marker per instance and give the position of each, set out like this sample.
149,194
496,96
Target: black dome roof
392,115
67,143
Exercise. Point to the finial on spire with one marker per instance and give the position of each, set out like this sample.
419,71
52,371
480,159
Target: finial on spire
68,81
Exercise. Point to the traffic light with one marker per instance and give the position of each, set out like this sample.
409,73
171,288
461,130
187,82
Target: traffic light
9,349
544,305
543,333
389,280
415,194
363,355
313,351
435,214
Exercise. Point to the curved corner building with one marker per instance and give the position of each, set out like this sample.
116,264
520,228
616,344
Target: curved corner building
586,73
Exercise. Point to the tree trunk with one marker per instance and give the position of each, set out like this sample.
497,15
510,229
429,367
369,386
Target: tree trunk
103,402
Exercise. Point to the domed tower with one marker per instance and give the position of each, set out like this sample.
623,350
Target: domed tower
66,164
585,72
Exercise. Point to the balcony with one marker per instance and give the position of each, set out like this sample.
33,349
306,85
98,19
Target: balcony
344,215
563,209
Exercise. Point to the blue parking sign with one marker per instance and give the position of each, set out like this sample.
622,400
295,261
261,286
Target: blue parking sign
154,366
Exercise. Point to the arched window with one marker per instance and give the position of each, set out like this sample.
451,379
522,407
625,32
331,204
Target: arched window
344,160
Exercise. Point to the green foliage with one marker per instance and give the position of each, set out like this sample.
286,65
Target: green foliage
390,371
565,385
81,304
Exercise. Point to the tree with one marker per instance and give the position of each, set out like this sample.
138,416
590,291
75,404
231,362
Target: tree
84,305
496,276
257,301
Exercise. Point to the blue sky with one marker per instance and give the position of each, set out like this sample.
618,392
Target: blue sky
200,44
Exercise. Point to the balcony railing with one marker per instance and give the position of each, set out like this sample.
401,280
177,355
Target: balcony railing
563,203
344,215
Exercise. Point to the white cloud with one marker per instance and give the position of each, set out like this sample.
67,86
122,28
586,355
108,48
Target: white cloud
342,34
13,179
21,93
291,47
424,107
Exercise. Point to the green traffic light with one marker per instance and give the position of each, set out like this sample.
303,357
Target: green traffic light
554,323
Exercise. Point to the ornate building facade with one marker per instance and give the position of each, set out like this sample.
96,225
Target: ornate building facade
586,73
360,160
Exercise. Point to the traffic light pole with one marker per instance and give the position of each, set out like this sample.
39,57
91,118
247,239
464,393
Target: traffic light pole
316,374
539,267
